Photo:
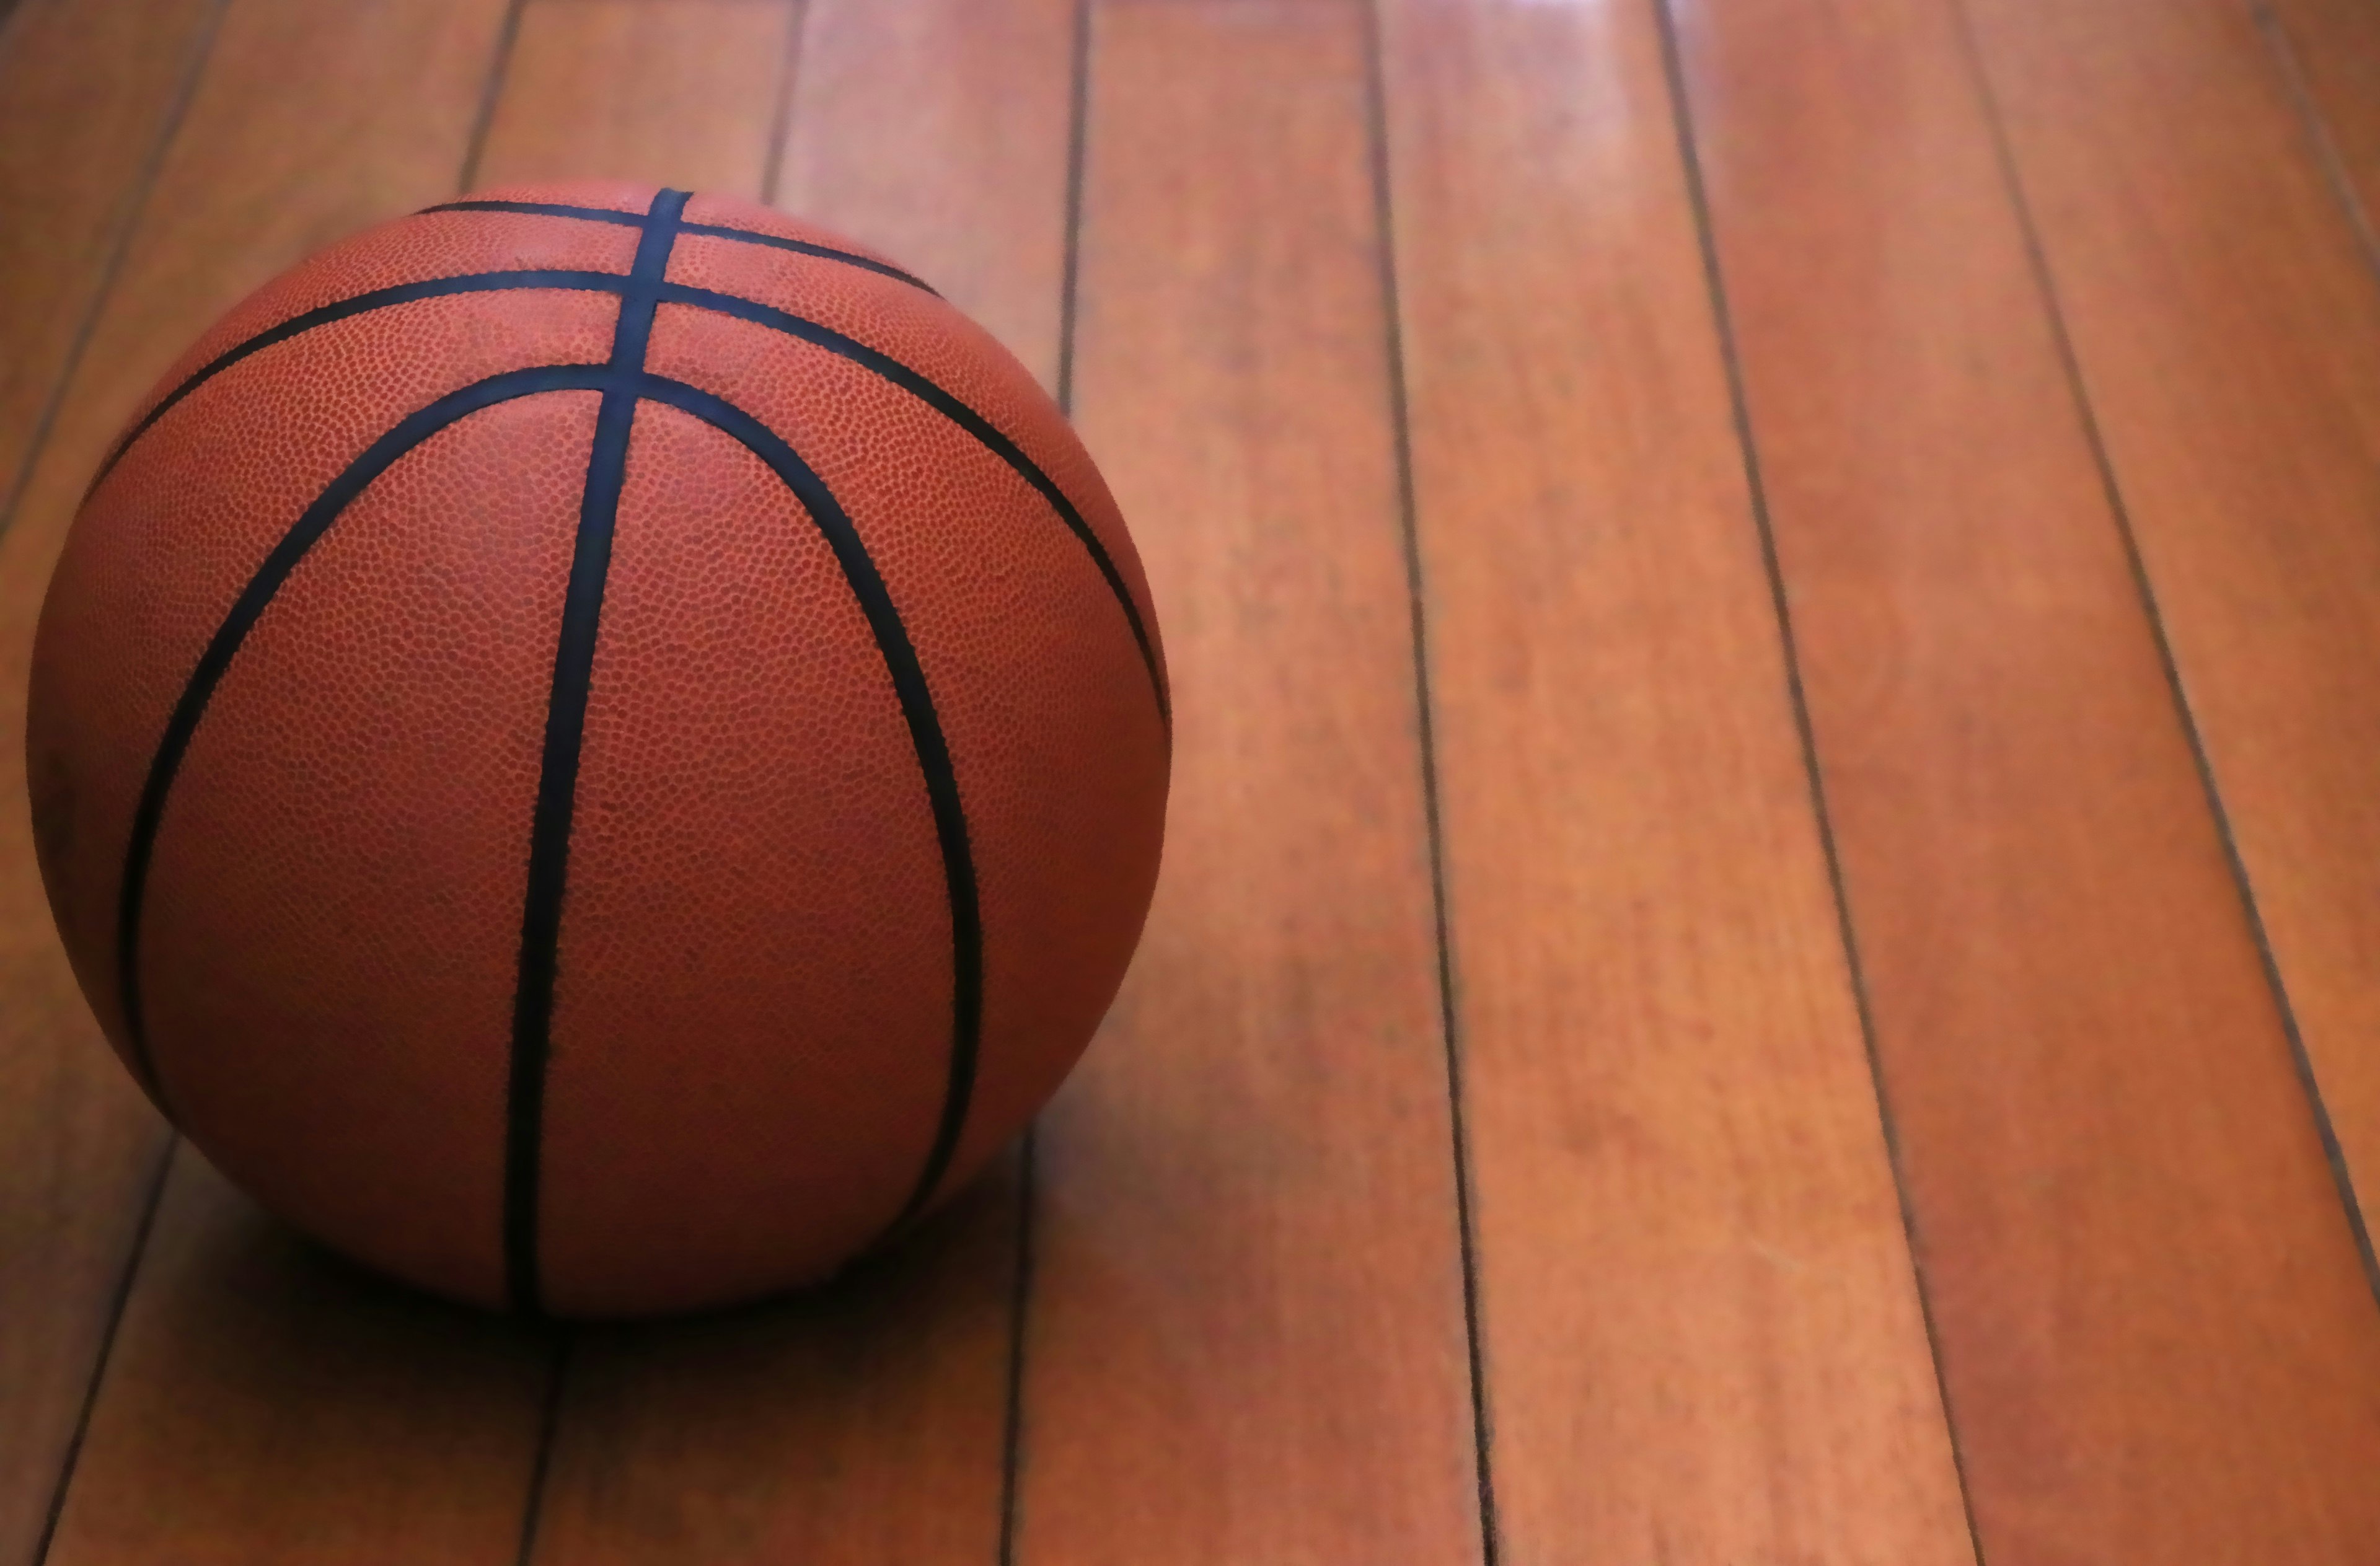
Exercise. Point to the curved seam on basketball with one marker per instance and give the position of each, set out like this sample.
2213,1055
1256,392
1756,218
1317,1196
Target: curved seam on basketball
341,309
709,230
181,725
909,684
875,360
985,432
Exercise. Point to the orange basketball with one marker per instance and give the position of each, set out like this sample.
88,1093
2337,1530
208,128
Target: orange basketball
598,749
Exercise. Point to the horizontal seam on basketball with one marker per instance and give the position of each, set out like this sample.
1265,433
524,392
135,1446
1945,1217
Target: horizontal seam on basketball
873,360
214,662
984,432
934,759
359,304
710,230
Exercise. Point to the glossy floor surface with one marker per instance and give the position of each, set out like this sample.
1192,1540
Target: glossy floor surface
1769,950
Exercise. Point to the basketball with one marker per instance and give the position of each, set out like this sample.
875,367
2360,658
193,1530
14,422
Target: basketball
599,750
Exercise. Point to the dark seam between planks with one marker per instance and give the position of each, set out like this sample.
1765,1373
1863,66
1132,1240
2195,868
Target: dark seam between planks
500,65
780,112
1392,308
549,1424
1756,491
122,1298
2070,363
2291,66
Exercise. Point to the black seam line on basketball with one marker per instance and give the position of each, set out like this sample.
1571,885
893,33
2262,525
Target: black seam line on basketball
378,299
985,432
307,531
707,230
980,428
566,726
917,701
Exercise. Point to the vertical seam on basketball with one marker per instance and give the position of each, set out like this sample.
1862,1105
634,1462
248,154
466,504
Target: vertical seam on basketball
565,722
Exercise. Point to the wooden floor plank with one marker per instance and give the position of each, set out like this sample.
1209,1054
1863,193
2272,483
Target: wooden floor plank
87,94
2227,325
2120,1195
266,1403
2334,48
859,1423
1702,1333
936,130
679,93
309,122
1245,1337
863,1423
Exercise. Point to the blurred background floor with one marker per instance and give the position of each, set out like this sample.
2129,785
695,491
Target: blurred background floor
1770,944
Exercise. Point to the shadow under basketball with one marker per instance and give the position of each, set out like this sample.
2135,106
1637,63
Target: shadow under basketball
395,1426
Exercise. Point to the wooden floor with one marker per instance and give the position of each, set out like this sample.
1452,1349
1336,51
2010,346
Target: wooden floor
1769,951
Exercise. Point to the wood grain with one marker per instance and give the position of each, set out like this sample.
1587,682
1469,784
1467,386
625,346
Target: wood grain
2117,1183
266,1403
863,1424
937,131
678,92
87,95
1703,1332
309,122
1246,1339
2334,46
2227,327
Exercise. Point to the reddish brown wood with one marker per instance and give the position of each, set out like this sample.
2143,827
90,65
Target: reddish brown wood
1246,1335
2117,1180
679,93
2225,318
2333,48
87,94
1702,1330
